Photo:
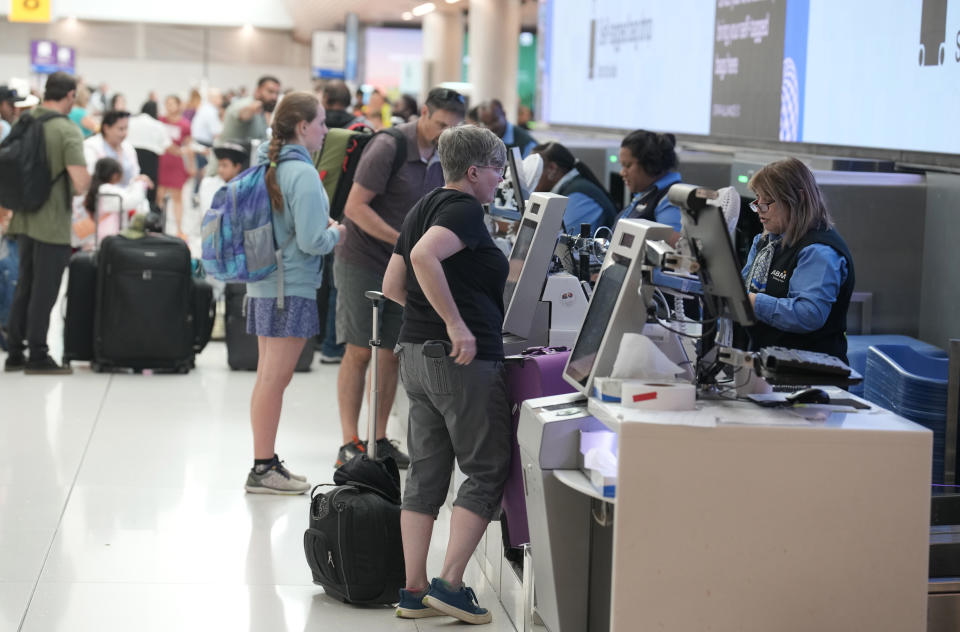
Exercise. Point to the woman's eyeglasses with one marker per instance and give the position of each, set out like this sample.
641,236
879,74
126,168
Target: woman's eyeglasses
756,207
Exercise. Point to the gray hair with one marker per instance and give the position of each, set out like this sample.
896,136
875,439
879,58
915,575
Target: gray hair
466,145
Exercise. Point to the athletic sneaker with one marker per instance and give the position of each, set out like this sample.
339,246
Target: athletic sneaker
350,450
325,359
274,479
458,603
388,447
296,477
411,606
45,365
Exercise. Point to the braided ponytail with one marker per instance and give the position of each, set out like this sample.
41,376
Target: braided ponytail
273,188
294,108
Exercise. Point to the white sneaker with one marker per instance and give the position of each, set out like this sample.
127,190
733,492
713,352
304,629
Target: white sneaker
275,480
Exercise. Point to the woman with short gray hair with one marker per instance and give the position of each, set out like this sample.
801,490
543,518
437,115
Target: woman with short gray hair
449,276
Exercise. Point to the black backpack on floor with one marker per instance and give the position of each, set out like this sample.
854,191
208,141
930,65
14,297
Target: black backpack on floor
25,182
353,545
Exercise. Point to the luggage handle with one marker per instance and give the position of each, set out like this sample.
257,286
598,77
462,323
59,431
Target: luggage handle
539,351
376,299
96,215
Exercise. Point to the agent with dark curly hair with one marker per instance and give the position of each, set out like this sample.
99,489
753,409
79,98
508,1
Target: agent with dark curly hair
648,165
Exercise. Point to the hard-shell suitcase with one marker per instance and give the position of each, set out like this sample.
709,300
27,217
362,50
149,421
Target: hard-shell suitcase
81,302
145,304
242,351
537,372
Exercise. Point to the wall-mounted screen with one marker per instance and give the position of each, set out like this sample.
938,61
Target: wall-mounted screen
850,73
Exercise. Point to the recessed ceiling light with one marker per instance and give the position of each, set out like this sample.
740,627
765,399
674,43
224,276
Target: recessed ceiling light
423,9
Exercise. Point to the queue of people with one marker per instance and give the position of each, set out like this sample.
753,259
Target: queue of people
417,233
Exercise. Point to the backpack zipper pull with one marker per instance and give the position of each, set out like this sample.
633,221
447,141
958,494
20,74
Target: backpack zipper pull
330,559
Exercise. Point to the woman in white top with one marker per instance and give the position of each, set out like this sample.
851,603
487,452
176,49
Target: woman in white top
111,142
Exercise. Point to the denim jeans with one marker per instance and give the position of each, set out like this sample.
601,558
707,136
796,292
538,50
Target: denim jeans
9,270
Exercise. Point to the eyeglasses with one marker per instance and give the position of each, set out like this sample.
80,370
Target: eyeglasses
756,207
501,169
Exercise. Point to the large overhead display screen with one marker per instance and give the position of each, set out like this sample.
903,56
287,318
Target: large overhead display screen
850,72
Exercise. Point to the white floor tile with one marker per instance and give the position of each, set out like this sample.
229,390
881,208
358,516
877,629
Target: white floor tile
124,498
22,553
13,604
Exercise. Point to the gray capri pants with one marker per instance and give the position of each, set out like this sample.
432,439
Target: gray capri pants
457,412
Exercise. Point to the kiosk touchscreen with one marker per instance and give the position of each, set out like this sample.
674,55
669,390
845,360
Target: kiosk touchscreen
618,305
530,263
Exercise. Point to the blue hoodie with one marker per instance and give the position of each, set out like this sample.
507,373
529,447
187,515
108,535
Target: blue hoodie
306,212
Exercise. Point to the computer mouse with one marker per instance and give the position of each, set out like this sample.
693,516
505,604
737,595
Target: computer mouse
809,396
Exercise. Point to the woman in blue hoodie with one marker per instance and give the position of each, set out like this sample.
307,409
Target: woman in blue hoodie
301,209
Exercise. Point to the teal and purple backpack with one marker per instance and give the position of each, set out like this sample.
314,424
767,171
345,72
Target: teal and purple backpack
238,243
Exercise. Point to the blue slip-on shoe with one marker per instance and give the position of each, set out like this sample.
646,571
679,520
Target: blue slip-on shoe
460,603
411,606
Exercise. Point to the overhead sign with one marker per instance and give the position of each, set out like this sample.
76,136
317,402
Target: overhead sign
329,55
43,57
29,11
67,59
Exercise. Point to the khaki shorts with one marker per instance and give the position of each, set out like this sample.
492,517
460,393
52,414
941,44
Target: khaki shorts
355,311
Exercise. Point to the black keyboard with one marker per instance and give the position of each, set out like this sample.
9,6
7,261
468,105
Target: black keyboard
783,360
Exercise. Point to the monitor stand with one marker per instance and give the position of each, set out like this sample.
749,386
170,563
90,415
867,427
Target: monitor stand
539,332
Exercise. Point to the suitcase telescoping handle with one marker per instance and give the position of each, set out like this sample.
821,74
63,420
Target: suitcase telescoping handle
96,215
376,299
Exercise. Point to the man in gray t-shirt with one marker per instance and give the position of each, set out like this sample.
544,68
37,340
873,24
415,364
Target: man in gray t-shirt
373,215
246,118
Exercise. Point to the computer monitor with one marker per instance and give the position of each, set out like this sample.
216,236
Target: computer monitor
709,242
509,201
618,305
530,260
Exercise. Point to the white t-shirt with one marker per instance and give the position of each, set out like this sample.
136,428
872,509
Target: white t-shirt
95,148
208,188
206,124
146,132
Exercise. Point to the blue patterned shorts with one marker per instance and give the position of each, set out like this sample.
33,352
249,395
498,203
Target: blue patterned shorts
297,319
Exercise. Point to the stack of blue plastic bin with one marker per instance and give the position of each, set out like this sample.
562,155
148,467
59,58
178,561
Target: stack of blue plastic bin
912,385
857,346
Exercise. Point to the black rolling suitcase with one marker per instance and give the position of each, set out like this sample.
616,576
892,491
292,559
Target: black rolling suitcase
81,302
353,544
82,296
242,352
204,312
145,304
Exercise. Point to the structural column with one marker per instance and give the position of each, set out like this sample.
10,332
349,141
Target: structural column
494,28
442,48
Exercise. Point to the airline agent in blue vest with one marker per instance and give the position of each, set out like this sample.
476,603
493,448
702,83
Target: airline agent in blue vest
799,272
588,202
648,165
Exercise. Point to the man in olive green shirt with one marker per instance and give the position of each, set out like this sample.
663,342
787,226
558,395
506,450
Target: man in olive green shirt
43,235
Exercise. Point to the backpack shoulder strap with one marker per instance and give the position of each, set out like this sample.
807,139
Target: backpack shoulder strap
400,156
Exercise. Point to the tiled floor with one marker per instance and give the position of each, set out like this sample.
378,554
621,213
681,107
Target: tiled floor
122,507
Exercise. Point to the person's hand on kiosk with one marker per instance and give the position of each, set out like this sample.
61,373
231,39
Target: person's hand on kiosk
464,344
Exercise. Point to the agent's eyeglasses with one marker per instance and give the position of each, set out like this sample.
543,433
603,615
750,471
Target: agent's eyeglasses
756,207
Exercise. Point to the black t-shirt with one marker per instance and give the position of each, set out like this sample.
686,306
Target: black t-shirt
476,275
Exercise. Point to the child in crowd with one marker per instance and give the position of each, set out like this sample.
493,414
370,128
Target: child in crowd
232,156
107,200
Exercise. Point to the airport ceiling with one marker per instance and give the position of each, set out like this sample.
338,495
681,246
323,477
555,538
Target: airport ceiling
319,15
